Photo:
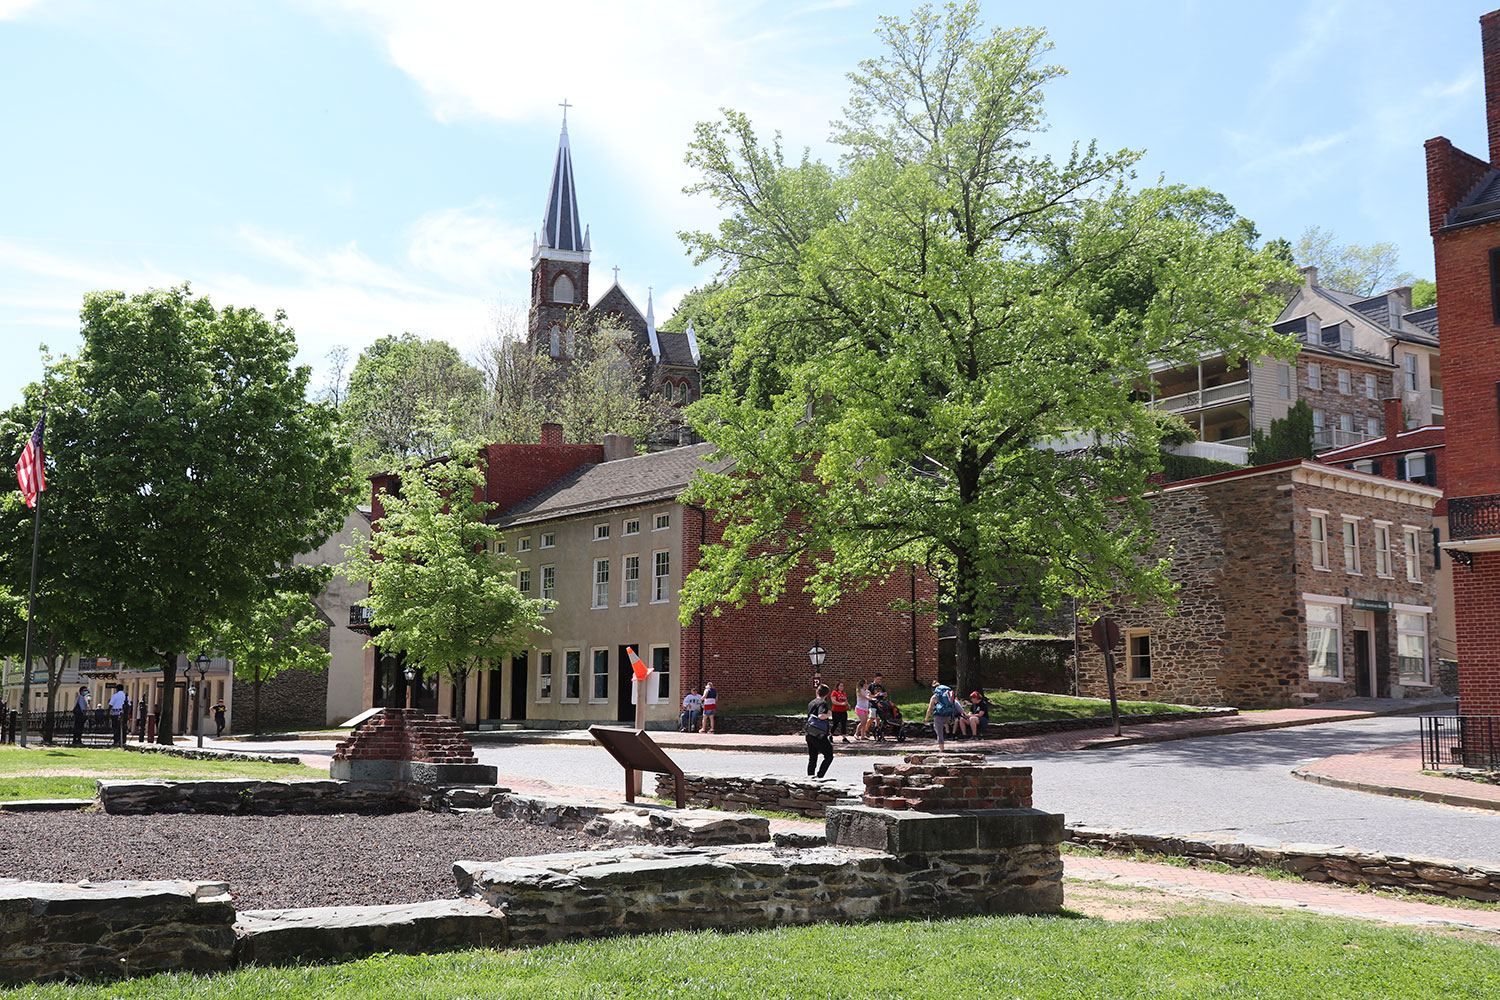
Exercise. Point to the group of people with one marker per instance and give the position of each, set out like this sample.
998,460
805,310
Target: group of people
699,710
828,716
121,709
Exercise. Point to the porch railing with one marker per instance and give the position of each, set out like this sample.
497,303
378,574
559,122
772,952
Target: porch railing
1460,741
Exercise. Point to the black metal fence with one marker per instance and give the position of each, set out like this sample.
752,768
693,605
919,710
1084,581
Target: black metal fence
1460,741
93,729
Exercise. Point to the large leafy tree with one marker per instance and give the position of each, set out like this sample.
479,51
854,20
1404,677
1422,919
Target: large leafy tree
929,313
188,468
1352,267
439,592
715,312
409,398
280,630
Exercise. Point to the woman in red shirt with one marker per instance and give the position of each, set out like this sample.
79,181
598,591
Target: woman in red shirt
838,700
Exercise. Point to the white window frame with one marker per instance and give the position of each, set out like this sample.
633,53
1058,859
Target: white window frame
1284,381
1337,627
601,584
1383,549
661,521
523,544
1349,536
1320,421
1317,533
1132,672
661,583
660,678
549,583
1314,375
1346,423
1346,386
601,532
1371,387
1372,427
500,546
572,671
544,676
632,526
1365,465
1419,457
1411,543
630,580
594,674
1409,364
523,582
1401,612
548,541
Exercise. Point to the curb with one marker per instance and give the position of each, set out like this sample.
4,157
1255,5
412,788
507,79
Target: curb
1112,742
1397,791
45,805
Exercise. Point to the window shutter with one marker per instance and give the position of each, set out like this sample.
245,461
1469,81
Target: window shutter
1429,462
1437,550
1400,467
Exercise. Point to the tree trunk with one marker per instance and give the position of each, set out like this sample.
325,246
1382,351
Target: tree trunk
460,694
255,702
168,696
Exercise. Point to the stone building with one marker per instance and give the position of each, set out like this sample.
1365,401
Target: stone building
604,534
1463,206
1297,581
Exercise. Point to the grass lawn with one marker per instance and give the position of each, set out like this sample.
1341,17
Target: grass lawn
69,772
1009,706
1142,948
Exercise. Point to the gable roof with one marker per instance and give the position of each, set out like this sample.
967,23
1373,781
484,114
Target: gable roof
625,482
675,349
1481,204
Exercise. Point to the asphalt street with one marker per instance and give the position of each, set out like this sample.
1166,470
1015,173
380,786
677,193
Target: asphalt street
1234,785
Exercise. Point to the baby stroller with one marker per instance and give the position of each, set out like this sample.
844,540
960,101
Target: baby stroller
888,720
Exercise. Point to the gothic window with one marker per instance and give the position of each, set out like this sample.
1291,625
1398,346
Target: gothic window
562,289
556,342
666,390
682,393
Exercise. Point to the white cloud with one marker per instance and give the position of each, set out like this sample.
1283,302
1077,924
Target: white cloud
12,9
471,247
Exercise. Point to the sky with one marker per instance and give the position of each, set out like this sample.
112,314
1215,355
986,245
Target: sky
372,167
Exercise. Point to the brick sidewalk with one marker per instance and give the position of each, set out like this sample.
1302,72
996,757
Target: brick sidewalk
1252,890
1397,771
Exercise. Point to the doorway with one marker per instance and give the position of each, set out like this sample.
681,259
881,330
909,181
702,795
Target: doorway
494,703
624,704
520,673
1364,655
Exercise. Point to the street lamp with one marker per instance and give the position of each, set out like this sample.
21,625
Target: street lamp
817,655
411,676
201,665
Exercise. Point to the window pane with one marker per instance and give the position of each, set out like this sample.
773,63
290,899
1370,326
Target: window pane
661,662
1322,651
601,673
1323,614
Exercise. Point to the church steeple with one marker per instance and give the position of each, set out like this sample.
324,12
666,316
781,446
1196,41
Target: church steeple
559,258
561,228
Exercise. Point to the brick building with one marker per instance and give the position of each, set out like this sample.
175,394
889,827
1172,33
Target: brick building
1463,206
1298,581
602,532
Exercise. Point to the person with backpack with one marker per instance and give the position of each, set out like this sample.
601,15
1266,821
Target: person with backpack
819,733
941,710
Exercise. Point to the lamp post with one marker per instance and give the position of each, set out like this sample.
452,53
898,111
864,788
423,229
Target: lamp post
817,654
411,676
201,665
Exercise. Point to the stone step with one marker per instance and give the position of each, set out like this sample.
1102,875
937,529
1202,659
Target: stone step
45,805
321,933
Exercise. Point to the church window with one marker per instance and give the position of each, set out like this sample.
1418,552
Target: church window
666,390
682,393
556,342
562,289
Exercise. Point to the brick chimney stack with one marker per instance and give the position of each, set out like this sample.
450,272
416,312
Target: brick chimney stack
1395,418
1489,33
552,434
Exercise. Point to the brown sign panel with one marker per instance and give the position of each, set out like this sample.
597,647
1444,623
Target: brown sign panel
636,751
1106,633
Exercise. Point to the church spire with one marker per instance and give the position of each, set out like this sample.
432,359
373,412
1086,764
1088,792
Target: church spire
561,229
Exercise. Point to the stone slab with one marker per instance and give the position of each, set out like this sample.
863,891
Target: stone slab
327,933
900,831
416,772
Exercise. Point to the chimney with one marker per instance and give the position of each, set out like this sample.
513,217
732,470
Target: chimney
1401,293
618,446
1395,418
1489,34
1310,276
552,434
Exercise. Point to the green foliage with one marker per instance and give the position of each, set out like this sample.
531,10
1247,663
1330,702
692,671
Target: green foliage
1172,428
186,466
1290,436
1028,666
70,772
1177,467
410,398
1361,270
930,309
438,593
1423,293
280,631
716,314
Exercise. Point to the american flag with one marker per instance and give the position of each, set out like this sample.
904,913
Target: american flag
29,466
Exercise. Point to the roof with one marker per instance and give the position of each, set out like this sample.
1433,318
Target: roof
561,229
1304,469
1417,439
625,482
676,350
1426,318
1481,204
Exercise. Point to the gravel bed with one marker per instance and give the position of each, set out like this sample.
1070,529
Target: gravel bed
274,861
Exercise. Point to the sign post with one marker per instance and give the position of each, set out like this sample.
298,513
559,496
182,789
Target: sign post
1107,634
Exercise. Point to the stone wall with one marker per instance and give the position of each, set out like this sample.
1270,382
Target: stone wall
110,929
293,699
771,792
239,796
1314,862
642,824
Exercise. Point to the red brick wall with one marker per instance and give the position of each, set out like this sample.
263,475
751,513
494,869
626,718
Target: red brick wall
1470,359
757,655
1476,597
1451,173
516,471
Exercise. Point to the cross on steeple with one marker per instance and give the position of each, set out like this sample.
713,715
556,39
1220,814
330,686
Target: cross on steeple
617,274
565,106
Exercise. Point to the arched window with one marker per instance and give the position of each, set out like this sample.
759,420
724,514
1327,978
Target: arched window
682,393
562,289
556,342
666,390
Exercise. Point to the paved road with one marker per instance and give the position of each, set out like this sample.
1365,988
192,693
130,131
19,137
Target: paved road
1236,785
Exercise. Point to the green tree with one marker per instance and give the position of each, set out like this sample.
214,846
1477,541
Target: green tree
409,398
1423,293
187,467
932,310
1290,436
281,630
1352,267
439,593
715,314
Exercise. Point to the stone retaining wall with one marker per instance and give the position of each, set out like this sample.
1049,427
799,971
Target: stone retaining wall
792,725
642,824
1314,862
235,796
192,753
810,798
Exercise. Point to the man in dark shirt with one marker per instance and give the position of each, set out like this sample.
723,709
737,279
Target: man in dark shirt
819,733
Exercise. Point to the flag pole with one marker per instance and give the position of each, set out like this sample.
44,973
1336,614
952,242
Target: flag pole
36,543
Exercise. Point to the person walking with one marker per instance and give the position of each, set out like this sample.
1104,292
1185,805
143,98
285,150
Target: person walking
219,711
710,706
839,702
861,711
941,709
819,725
80,713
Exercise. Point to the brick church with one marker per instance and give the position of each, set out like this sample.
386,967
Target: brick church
560,300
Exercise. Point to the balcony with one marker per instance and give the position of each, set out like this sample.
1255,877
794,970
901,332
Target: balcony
1437,400
1336,437
1231,392
359,618
1473,517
